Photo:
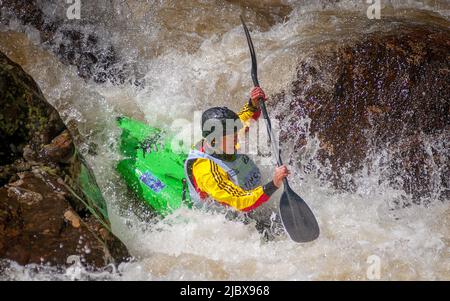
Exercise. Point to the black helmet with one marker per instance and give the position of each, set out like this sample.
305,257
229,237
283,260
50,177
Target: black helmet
220,114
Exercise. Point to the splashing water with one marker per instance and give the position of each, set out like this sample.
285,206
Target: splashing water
193,57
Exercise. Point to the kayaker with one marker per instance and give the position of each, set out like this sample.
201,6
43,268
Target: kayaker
217,173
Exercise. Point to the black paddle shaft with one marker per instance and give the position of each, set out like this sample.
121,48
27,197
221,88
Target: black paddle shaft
297,218
261,102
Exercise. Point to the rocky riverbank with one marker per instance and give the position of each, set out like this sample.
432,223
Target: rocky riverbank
50,205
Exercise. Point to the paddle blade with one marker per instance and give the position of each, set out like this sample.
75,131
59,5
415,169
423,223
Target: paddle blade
297,218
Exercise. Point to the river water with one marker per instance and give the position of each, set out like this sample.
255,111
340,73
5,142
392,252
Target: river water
187,56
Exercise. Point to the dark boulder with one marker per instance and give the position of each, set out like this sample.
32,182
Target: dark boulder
381,102
50,204
38,224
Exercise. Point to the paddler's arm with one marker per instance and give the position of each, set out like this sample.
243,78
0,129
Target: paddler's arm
252,110
213,180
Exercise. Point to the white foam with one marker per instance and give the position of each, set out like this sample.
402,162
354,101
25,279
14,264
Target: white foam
412,243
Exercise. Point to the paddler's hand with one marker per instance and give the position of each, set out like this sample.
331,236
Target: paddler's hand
280,173
255,95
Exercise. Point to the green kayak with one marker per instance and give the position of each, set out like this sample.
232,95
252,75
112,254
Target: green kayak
150,168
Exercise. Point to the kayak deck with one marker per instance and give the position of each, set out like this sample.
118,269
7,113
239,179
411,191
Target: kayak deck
151,169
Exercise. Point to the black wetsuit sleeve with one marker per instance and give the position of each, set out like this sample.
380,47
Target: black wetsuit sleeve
251,107
269,188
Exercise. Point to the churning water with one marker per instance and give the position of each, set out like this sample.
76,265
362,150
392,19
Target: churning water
187,56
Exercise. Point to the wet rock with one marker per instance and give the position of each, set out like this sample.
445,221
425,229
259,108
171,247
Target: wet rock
26,119
35,229
381,103
50,204
61,149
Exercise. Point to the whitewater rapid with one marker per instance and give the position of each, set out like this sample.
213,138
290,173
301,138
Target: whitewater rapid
185,69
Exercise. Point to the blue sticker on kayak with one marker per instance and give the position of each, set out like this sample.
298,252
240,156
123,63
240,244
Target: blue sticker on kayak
152,182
